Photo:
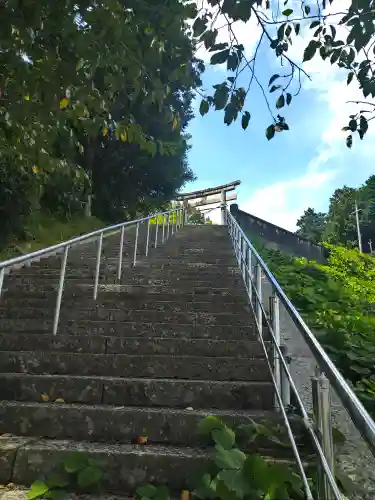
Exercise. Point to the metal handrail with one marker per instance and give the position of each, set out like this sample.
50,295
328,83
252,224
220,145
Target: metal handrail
354,407
78,239
320,428
178,220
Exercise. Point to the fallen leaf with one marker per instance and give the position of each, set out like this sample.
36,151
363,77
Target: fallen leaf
185,495
190,408
63,103
44,397
141,439
59,400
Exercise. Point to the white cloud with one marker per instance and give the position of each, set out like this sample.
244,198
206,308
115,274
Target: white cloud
283,203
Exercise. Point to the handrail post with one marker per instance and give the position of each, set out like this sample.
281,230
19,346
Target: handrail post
60,291
259,298
250,274
119,269
163,222
156,231
275,321
97,269
136,244
148,236
168,226
2,274
285,384
321,398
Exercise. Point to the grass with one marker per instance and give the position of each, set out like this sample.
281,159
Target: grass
42,231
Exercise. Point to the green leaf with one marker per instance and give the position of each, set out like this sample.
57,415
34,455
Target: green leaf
162,493
232,62
205,487
287,12
350,77
270,132
57,494
235,481
280,102
204,107
245,120
231,113
146,491
228,459
75,462
310,50
353,125
349,141
57,481
288,98
199,26
307,10
209,424
297,28
363,124
314,24
221,98
273,78
275,87
225,437
89,476
220,57
38,489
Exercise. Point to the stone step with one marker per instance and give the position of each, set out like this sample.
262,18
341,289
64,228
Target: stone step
134,365
119,315
132,329
116,301
78,289
126,466
143,296
121,424
172,393
129,345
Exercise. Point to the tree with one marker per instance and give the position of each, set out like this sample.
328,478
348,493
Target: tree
95,97
341,224
195,216
344,38
311,225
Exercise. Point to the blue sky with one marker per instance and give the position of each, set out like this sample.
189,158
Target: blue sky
298,168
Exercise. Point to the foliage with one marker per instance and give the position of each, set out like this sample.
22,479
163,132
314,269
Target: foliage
311,225
338,226
94,101
342,37
195,216
338,301
40,230
79,473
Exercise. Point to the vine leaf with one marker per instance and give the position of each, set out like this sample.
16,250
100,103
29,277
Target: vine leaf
245,120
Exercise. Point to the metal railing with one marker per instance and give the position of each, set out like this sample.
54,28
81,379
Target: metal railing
254,271
170,220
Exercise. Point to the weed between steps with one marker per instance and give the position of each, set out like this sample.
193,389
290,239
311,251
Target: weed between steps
234,475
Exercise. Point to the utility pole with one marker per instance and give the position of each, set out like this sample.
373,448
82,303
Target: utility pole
358,228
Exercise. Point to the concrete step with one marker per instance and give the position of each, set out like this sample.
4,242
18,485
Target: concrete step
98,344
75,288
172,393
116,301
132,329
126,466
147,316
127,297
121,424
134,365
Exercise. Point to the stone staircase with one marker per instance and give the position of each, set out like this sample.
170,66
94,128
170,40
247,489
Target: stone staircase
173,341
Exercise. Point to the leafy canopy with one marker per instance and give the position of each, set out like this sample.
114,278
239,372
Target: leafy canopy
342,38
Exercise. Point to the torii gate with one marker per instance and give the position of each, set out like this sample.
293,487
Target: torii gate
205,193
